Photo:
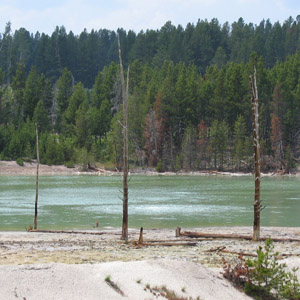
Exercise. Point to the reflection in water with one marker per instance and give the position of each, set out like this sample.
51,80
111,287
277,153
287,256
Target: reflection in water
77,202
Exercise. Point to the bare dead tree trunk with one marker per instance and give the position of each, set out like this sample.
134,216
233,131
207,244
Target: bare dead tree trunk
37,178
125,150
256,205
140,241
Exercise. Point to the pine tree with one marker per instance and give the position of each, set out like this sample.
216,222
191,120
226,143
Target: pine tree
64,92
40,117
218,142
239,136
69,117
32,93
202,145
81,122
189,149
18,85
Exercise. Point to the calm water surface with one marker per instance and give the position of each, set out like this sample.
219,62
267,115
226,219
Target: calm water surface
77,202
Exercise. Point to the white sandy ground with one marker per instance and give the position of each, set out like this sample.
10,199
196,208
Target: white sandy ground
41,266
62,281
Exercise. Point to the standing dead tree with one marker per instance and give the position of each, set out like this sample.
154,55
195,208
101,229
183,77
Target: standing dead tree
37,178
125,146
257,203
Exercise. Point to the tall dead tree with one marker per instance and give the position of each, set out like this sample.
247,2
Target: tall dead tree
255,122
37,178
125,146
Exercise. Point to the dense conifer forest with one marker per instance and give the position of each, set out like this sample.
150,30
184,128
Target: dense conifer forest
189,95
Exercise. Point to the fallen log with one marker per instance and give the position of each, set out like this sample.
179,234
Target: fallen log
214,235
70,232
179,240
238,253
218,249
232,236
164,244
224,250
169,244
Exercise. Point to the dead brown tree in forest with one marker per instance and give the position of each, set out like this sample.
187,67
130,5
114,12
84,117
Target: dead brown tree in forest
37,178
125,146
255,122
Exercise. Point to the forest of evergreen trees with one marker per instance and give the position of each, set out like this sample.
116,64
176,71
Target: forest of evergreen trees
189,102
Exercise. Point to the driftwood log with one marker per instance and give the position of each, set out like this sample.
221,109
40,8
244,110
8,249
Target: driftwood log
222,249
167,243
164,244
70,232
191,234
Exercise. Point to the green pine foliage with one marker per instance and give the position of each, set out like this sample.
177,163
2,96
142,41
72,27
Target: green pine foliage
264,277
20,162
189,95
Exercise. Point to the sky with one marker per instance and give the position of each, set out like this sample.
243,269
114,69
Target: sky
137,15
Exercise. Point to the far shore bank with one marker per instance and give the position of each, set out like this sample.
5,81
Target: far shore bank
29,169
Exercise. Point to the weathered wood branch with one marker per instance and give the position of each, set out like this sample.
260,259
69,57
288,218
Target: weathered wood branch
140,241
238,253
218,249
93,168
124,235
70,232
164,244
179,240
214,235
232,236
224,250
37,178
256,145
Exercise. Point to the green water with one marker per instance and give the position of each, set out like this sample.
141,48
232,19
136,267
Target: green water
77,202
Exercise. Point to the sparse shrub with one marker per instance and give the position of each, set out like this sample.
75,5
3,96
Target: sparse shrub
113,285
84,158
159,167
164,292
20,162
264,277
69,164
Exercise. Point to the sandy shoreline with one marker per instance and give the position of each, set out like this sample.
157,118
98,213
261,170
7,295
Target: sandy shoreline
18,247
29,169
57,256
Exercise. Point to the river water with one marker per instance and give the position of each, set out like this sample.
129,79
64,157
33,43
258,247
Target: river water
77,202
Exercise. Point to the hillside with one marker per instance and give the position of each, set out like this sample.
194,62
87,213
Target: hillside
189,102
